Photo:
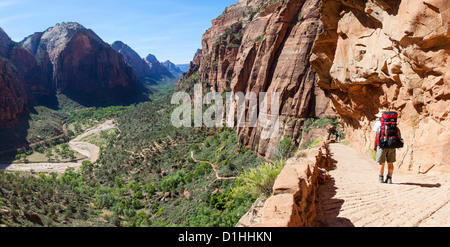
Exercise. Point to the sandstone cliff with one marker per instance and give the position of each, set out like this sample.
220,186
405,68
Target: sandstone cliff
81,61
264,46
12,94
379,54
35,74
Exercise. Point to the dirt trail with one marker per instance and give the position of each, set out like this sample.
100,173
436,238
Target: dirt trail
87,149
213,166
354,197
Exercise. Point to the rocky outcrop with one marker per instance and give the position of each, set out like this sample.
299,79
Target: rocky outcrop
264,46
13,97
378,54
293,203
81,61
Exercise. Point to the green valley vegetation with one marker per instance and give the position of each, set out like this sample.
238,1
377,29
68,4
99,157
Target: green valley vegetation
149,173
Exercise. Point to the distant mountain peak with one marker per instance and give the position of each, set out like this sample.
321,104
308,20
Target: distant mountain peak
151,58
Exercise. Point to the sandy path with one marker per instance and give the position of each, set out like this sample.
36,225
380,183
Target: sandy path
89,150
353,196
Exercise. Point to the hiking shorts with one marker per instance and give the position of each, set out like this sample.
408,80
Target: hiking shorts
385,155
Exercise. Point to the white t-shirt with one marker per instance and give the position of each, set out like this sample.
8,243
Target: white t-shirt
377,126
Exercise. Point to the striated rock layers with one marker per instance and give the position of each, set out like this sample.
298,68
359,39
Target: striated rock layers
81,61
379,54
264,46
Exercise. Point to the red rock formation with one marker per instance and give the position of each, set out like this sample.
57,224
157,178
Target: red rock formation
12,95
36,75
264,46
82,62
86,64
393,55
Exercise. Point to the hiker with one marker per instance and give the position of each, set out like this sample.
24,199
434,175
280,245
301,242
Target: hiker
386,141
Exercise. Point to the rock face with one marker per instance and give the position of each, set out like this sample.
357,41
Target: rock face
13,97
35,74
378,54
264,46
81,61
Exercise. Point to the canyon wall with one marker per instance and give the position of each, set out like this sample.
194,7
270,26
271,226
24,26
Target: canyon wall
389,55
264,46
13,97
81,61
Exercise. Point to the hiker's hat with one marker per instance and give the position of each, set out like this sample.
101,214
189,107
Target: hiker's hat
380,113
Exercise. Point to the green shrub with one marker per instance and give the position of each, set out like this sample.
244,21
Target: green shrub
259,180
284,148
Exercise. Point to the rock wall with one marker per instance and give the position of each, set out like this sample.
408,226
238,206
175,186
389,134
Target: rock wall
13,97
88,64
379,54
35,74
264,46
294,192
82,61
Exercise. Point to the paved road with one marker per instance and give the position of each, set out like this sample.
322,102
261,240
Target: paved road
353,196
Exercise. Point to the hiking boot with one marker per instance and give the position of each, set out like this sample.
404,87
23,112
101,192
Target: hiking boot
389,180
380,179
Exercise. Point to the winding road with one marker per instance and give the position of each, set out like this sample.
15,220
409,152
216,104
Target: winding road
354,197
87,149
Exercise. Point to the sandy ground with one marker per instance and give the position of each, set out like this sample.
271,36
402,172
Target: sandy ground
354,197
87,149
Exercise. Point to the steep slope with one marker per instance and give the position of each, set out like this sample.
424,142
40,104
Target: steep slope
159,74
174,69
392,55
264,46
35,74
140,67
12,95
82,62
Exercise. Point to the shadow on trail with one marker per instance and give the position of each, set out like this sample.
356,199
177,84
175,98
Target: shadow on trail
328,208
436,185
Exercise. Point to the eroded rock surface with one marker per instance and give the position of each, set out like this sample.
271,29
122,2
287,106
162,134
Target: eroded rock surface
264,46
394,55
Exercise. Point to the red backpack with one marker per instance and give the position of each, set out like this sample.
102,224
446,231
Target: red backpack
389,136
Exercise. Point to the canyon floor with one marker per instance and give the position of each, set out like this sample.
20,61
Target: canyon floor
78,144
354,197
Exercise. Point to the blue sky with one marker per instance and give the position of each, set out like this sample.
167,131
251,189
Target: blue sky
169,29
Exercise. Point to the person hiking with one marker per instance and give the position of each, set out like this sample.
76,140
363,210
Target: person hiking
386,141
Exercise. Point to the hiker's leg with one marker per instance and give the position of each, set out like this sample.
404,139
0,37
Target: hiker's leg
390,169
381,169
390,160
381,159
